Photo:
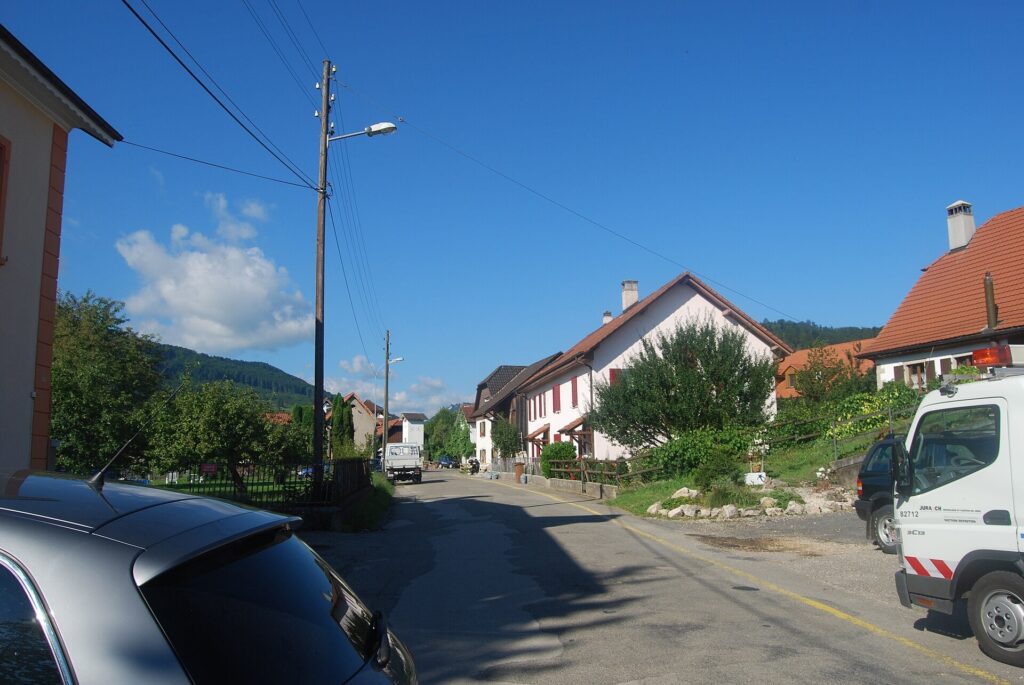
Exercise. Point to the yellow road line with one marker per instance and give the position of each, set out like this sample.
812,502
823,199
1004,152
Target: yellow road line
777,589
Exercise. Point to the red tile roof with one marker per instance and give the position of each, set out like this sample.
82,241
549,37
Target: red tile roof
798,360
947,304
585,346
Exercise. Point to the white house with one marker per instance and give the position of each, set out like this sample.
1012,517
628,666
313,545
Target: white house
557,397
412,427
37,111
947,314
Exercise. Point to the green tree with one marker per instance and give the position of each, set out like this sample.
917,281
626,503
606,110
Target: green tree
104,376
697,376
437,430
218,423
458,443
829,377
342,428
506,438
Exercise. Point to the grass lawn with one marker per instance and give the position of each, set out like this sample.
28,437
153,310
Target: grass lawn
636,500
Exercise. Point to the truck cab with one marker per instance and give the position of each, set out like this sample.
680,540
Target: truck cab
959,503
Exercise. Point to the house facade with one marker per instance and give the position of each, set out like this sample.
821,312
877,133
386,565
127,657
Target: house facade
37,111
970,297
412,427
496,400
847,352
364,419
556,398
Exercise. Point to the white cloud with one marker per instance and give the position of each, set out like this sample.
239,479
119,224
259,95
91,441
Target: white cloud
359,366
229,226
211,296
254,209
158,176
426,386
427,395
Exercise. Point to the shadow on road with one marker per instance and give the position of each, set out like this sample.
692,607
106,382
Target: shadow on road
955,626
478,589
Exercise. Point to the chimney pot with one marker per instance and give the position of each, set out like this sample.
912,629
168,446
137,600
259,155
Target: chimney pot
630,294
959,224
606,317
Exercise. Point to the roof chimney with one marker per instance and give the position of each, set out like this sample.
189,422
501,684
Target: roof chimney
606,317
960,223
630,294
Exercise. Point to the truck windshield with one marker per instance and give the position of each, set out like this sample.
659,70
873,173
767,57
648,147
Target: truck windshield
952,443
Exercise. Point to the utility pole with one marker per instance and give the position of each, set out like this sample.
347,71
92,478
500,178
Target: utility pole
384,423
321,206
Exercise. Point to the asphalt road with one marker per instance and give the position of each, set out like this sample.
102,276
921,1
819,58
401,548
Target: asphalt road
488,581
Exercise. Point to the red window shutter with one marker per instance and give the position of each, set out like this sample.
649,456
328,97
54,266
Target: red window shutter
575,396
556,398
558,437
613,376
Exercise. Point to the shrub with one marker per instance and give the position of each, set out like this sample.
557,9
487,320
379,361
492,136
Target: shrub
783,497
688,451
723,493
721,468
556,451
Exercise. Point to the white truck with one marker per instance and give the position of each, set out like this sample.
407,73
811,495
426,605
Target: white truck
959,494
403,461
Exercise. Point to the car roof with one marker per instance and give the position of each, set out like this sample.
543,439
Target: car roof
71,501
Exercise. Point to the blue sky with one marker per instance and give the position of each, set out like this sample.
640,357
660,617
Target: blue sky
799,156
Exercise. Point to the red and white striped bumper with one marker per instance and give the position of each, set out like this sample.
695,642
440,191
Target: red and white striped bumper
930,568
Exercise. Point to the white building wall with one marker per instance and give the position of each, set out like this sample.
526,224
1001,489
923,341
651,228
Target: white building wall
677,306
484,449
412,431
885,368
31,137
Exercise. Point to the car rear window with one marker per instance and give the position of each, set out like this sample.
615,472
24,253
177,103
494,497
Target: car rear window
266,609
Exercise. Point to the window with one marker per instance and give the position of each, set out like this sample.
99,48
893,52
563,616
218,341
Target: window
483,429
791,380
543,404
575,394
5,162
27,655
920,374
483,455
952,443
879,460
556,398
966,360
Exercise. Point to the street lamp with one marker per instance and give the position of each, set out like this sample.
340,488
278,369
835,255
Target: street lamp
382,128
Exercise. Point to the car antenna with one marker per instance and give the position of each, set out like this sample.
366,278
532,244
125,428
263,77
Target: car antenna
96,480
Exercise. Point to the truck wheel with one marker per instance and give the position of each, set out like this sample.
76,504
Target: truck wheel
995,609
883,528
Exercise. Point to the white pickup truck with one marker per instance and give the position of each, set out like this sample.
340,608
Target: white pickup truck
959,494
403,461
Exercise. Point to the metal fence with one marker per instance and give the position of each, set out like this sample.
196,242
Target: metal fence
278,487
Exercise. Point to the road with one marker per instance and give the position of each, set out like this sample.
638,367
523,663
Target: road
488,581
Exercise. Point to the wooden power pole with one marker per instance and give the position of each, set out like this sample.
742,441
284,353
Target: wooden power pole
321,206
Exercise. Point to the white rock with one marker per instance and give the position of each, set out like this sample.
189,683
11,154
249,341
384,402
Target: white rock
747,513
729,511
827,507
706,513
773,511
675,513
690,510
812,509
768,502
683,493
794,508
654,509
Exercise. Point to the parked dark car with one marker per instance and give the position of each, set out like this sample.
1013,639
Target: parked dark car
446,462
114,583
874,494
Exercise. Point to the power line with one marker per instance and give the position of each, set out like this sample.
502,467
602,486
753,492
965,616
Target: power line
291,36
562,206
280,55
217,166
351,304
209,92
311,27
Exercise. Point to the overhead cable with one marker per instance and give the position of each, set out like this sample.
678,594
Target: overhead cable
217,166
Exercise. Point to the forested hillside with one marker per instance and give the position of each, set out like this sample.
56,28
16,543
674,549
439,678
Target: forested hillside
803,334
282,390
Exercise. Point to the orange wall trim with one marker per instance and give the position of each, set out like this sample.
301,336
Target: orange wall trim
48,300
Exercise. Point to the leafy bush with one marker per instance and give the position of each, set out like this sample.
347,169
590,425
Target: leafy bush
783,497
690,450
721,468
555,451
723,493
